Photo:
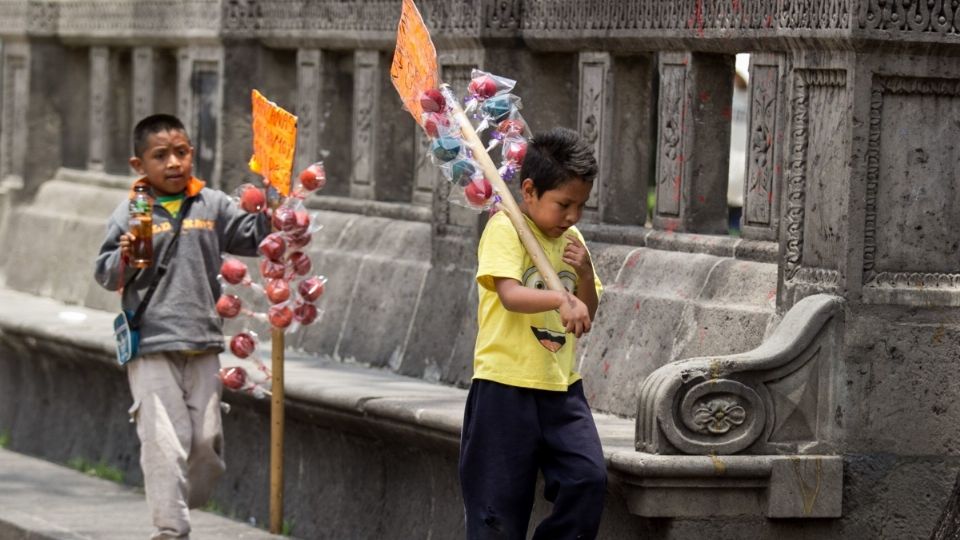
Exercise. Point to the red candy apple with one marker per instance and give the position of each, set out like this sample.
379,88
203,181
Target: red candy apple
298,241
432,101
313,177
511,127
280,316
273,247
242,345
233,378
311,288
233,271
478,192
483,87
302,224
284,218
271,270
305,313
278,290
300,263
228,306
252,199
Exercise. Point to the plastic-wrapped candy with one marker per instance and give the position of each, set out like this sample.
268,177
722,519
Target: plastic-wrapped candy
462,171
278,291
304,312
243,344
234,378
498,107
298,241
436,124
445,149
432,101
272,269
300,263
310,289
229,306
514,150
284,218
313,177
273,247
485,85
252,199
478,192
233,271
280,316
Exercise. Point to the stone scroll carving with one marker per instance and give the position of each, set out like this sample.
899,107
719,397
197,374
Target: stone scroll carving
774,399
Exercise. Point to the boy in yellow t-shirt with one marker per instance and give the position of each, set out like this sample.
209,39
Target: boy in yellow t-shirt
526,411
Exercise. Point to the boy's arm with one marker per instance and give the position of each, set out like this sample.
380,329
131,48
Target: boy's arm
576,255
574,313
242,231
107,269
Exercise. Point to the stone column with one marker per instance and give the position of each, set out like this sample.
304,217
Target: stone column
693,143
765,143
199,105
309,112
616,115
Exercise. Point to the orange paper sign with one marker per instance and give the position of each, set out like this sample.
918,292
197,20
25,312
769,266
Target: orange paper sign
414,66
274,140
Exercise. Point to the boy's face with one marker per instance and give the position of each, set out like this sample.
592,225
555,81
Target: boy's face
167,162
557,209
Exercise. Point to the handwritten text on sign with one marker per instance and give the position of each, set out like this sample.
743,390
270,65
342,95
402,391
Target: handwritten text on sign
414,66
274,141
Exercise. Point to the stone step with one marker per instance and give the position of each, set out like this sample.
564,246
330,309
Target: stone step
40,500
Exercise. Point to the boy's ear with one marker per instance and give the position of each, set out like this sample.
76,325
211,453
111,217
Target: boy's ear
528,190
137,164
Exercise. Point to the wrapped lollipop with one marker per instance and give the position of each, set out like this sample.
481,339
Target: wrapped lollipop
484,86
234,272
273,247
299,263
244,344
277,291
237,378
251,198
514,150
311,288
312,178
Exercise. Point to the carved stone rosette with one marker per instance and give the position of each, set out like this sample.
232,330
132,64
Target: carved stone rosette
775,399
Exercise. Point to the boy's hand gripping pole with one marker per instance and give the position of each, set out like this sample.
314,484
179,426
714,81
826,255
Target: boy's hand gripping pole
507,203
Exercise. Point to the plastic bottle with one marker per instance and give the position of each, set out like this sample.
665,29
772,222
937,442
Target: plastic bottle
141,225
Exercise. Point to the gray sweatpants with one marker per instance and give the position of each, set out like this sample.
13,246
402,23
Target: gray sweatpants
176,405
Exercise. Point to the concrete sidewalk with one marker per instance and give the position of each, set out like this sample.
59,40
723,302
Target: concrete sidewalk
40,500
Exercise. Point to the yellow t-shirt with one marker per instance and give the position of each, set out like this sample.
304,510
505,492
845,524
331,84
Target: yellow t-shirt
521,349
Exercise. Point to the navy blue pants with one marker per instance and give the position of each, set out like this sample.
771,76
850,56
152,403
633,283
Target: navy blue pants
509,433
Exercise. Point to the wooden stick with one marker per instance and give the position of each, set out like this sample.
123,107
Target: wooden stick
507,202
276,434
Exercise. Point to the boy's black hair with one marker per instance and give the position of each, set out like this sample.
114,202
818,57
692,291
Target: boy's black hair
154,123
556,157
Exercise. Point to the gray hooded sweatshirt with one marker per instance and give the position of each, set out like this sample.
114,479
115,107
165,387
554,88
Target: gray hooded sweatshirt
182,315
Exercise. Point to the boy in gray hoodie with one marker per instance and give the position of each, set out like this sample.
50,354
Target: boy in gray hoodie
174,382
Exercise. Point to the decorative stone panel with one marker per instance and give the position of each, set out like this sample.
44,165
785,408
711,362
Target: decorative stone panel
765,141
100,86
594,116
309,107
910,245
776,399
815,198
15,82
366,99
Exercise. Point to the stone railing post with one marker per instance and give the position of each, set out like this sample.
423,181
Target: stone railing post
693,143
766,138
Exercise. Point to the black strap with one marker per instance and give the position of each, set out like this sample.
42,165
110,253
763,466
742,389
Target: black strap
162,268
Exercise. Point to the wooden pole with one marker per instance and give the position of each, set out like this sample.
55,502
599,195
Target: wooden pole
507,202
276,433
